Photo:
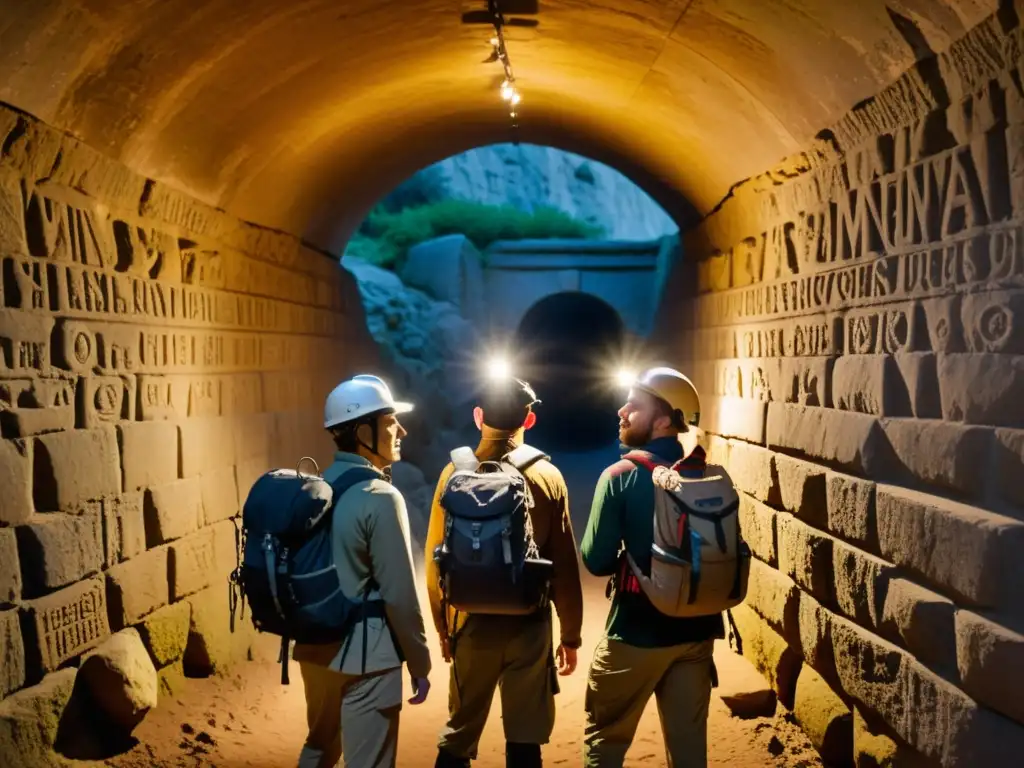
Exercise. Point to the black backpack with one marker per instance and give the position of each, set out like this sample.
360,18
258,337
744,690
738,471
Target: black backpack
488,560
286,560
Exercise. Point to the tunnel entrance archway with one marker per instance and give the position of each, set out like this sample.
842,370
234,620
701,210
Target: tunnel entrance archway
568,344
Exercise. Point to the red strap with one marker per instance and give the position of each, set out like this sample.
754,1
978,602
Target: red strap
696,460
644,459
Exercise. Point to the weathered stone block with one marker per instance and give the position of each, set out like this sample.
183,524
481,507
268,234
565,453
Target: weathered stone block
921,621
931,715
970,393
717,449
138,587
757,526
752,469
1008,474
254,436
803,380
815,629
12,653
873,748
205,444
990,657
201,559
737,417
851,441
124,528
149,454
212,646
824,717
805,555
920,376
165,632
991,321
173,511
121,679
67,623
869,384
802,489
71,467
219,491
29,720
172,679
10,570
16,480
12,216
941,454
970,551
851,509
248,473
57,550
860,583
766,650
775,597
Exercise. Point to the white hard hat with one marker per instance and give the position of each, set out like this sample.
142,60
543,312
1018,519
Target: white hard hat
357,397
675,389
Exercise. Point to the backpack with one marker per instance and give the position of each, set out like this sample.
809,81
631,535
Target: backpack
286,559
699,562
488,559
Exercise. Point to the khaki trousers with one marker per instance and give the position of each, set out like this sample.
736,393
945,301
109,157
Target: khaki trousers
620,683
515,655
368,705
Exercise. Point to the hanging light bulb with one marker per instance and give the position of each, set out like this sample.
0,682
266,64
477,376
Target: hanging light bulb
495,41
515,98
508,91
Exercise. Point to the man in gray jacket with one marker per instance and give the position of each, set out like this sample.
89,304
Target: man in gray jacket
360,681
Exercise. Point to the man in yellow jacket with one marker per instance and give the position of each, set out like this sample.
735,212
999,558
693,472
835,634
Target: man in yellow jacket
516,652
360,681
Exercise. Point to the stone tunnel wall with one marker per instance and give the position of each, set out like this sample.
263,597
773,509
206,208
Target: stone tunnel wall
156,356
858,335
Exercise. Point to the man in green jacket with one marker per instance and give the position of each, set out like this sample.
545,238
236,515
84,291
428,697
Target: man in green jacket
645,652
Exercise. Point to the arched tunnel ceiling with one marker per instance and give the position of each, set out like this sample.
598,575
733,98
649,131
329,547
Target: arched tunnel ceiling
299,115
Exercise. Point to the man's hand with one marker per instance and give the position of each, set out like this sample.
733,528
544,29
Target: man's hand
420,687
446,649
566,660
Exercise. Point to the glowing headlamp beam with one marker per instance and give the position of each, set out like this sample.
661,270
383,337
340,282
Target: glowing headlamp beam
498,368
625,378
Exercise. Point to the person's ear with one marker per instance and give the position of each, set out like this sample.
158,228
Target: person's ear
364,432
478,417
531,420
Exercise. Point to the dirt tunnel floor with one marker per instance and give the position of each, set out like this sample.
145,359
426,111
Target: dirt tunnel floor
249,719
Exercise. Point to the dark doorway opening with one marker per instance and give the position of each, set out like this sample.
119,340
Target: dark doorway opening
568,345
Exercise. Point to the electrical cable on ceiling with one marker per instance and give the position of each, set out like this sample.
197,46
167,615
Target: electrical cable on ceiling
509,91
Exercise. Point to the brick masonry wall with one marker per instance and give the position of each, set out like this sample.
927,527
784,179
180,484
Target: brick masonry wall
156,355
858,337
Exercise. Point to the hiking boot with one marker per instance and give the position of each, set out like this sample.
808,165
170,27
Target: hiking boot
446,759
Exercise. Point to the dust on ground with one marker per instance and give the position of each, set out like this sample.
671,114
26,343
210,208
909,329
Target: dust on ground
248,719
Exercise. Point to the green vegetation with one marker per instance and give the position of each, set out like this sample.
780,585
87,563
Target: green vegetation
391,229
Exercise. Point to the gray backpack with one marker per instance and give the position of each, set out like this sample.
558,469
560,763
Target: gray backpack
488,559
699,561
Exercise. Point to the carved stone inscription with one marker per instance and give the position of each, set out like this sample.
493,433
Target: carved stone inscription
82,292
967,261
902,209
70,622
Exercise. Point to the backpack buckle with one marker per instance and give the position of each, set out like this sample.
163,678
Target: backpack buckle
476,536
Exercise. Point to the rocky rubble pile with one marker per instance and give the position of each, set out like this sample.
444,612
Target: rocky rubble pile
426,349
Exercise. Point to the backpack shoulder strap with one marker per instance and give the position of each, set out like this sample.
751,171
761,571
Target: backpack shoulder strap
525,456
645,459
351,477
